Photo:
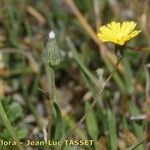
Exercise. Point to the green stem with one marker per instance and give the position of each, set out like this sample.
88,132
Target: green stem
9,126
51,87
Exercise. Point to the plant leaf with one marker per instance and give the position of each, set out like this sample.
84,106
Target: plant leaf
91,122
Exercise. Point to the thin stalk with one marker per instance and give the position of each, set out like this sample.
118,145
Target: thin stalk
93,103
9,127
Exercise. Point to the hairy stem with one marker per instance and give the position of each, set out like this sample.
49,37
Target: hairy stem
51,87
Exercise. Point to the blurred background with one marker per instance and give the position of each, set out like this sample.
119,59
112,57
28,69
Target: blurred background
120,118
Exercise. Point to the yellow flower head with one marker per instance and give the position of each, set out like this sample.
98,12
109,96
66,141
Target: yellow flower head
118,33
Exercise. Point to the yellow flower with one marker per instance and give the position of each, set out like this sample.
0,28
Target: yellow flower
118,33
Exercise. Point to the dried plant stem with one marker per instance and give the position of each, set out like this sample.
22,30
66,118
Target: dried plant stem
93,103
51,87
9,127
98,20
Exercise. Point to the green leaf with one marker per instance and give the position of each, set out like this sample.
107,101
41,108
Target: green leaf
112,129
14,112
21,133
58,123
91,122
128,76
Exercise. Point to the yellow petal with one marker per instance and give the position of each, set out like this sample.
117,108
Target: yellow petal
118,33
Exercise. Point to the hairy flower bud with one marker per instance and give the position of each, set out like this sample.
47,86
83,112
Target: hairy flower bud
51,53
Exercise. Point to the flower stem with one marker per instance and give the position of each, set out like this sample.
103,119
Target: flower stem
9,126
51,87
93,103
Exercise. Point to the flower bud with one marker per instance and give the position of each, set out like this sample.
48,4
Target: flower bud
52,52
119,51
